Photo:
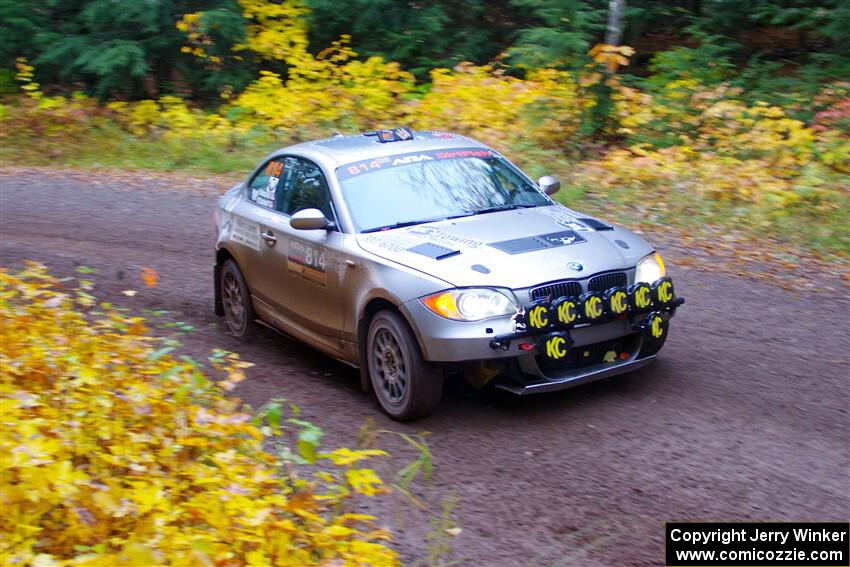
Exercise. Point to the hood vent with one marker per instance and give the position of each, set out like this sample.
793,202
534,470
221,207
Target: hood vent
531,243
595,224
434,251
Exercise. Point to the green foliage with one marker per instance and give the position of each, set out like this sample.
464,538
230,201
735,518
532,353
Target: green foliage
20,24
443,529
116,47
828,20
420,36
131,49
709,63
563,35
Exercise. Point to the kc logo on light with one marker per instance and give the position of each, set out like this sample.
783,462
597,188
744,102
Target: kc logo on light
665,291
593,307
642,299
655,327
538,317
566,311
557,346
617,302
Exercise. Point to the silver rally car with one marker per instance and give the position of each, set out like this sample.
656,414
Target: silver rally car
411,254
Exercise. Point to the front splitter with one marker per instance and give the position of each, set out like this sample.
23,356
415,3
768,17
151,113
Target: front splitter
574,379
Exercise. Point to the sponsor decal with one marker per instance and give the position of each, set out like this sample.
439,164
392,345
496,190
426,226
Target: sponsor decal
403,134
532,243
562,238
267,195
411,159
394,135
563,217
308,262
363,167
462,154
358,168
274,168
437,235
392,242
246,232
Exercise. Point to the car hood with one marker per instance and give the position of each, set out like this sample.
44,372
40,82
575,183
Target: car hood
516,249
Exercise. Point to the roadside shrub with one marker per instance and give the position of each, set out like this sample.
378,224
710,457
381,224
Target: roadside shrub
687,136
116,451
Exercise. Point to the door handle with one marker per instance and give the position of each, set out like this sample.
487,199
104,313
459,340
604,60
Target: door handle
269,237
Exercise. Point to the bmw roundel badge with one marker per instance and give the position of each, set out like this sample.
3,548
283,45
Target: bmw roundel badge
575,266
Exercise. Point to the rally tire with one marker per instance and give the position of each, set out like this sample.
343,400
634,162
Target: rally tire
405,386
236,301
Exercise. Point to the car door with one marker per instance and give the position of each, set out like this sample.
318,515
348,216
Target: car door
256,219
303,266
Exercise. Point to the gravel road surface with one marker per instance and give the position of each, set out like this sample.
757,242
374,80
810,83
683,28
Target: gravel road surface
743,417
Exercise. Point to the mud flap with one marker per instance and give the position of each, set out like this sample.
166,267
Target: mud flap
219,306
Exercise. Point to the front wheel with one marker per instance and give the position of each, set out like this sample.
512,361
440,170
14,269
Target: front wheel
406,386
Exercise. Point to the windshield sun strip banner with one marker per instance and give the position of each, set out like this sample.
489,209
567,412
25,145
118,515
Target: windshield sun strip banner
357,168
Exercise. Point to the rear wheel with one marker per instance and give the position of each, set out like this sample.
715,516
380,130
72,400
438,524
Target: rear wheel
406,386
236,301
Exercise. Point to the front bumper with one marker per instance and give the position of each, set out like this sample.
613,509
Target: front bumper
600,335
444,340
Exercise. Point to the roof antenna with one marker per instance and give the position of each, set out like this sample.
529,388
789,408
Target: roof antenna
338,134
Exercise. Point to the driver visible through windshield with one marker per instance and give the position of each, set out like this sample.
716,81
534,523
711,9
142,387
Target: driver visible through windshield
396,191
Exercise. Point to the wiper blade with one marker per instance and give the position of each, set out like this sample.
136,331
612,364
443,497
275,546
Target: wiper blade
415,222
508,207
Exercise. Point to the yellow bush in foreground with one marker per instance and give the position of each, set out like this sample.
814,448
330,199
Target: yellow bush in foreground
116,452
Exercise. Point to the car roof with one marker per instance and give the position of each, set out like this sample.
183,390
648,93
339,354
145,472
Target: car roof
361,147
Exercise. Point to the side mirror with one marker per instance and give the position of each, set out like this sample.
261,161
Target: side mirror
309,219
549,184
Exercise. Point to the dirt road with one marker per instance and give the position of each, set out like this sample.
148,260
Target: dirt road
743,417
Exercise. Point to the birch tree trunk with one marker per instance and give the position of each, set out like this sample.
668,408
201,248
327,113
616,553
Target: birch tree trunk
614,30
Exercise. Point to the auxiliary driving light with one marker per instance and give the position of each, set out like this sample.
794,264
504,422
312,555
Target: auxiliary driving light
565,310
653,325
616,301
538,315
640,296
591,306
662,291
555,345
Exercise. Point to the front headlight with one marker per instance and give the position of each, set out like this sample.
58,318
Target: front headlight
650,269
471,304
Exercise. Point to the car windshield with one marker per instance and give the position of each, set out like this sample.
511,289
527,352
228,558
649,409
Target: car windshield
411,189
